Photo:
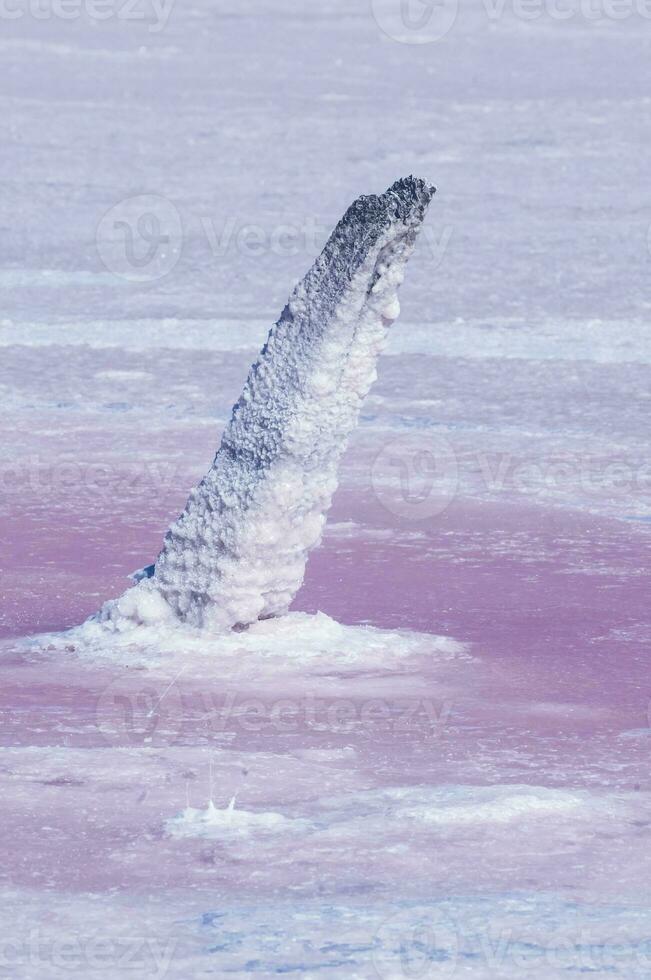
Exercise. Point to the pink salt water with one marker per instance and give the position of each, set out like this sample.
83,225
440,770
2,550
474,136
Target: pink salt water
460,781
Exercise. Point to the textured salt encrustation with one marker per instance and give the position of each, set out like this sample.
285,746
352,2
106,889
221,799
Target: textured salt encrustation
215,822
268,649
238,551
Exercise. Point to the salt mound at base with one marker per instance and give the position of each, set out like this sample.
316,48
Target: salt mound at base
298,640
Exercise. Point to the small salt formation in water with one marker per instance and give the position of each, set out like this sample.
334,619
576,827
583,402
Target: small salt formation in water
214,822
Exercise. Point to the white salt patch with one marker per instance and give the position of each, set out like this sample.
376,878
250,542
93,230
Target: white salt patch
401,810
389,811
115,375
298,639
502,804
215,823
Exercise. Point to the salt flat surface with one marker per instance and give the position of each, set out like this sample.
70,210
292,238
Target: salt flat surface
439,760
601,341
